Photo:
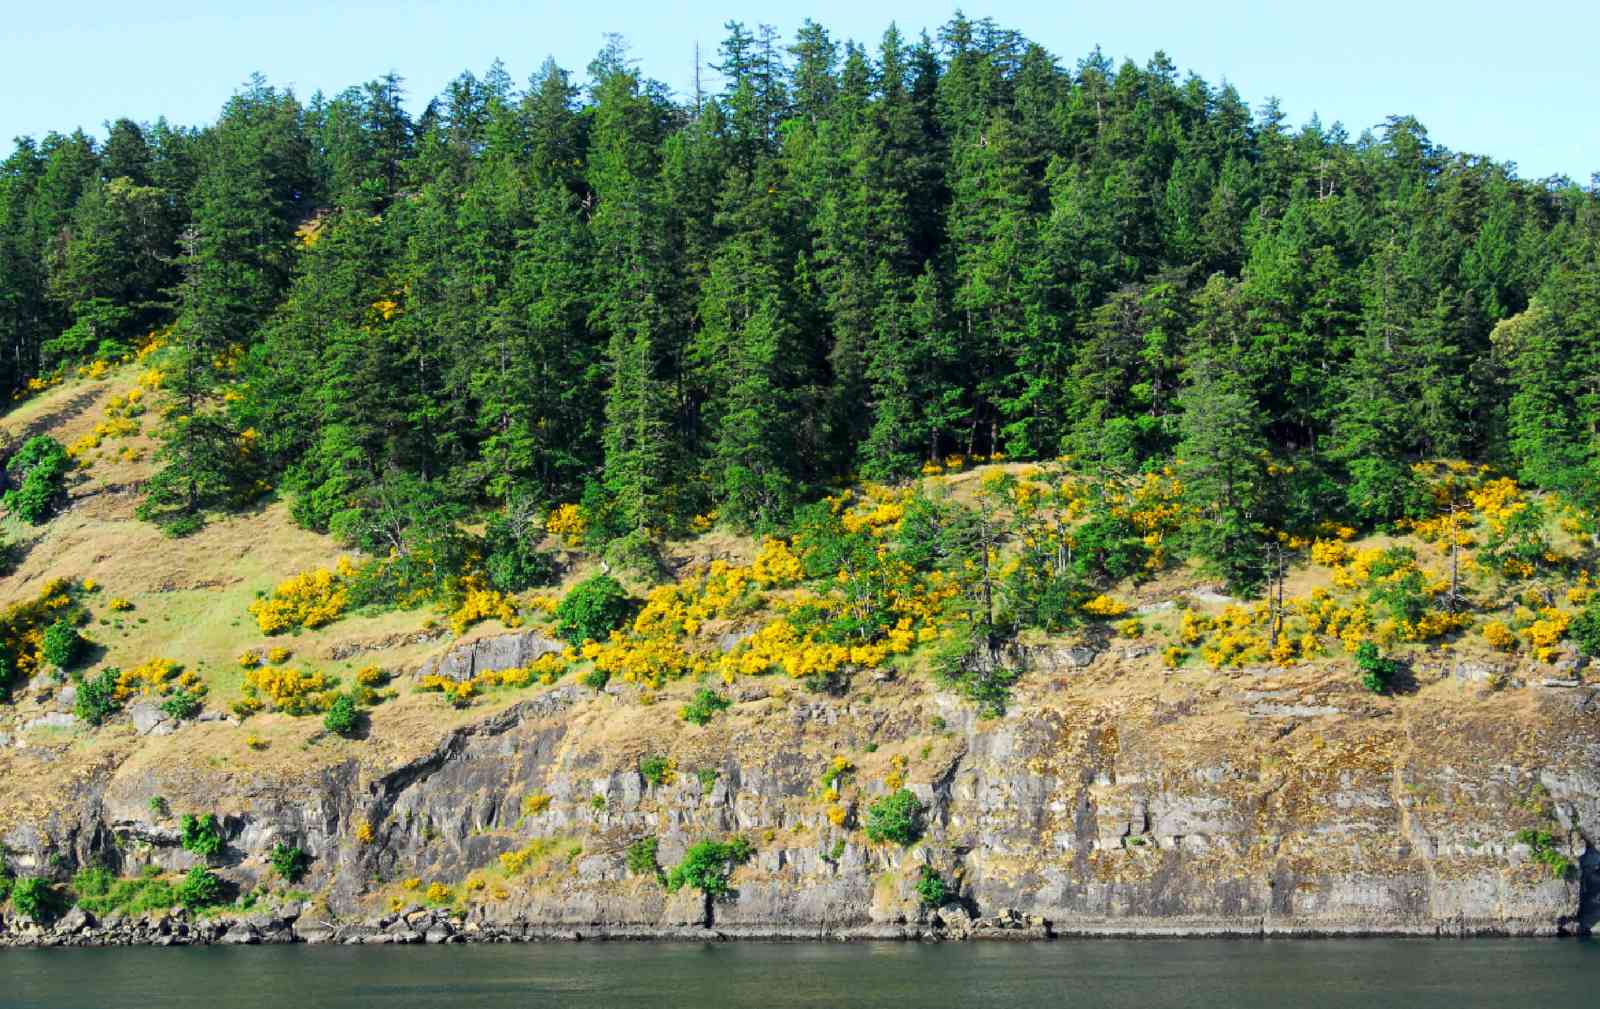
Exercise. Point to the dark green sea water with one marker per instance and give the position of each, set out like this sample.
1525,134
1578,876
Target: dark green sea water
1310,974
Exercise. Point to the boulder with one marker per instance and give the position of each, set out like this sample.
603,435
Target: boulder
149,720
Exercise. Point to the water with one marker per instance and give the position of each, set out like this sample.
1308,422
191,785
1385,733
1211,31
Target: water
1202,974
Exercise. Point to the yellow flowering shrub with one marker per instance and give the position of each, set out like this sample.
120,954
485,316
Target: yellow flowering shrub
1499,636
1105,606
364,832
309,599
483,603
896,778
120,605
534,803
438,893
292,691
566,522
155,678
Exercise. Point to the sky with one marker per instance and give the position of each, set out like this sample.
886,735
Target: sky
1518,83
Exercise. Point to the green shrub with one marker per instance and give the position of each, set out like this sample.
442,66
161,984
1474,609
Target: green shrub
592,610
596,679
511,559
290,863
1544,851
92,881
181,704
1377,672
1585,629
342,717
708,779
40,469
931,888
201,835
655,769
199,888
708,865
705,703
97,891
33,897
62,644
642,858
96,700
895,817
960,662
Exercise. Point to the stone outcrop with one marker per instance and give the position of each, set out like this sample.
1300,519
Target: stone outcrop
1106,802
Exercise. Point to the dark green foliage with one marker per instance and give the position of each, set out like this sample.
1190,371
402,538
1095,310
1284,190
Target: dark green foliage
511,555
596,679
342,718
290,863
62,644
1378,672
642,858
181,704
931,887
707,866
654,769
1405,598
34,898
703,705
849,261
201,835
592,610
895,817
39,471
199,888
969,663
96,700
708,779
1584,629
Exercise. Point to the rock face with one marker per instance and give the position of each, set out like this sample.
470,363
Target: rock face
491,654
1095,805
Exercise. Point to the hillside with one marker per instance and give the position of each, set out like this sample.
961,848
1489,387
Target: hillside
1157,768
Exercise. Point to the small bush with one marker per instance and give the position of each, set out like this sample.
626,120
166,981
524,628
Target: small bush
895,817
1378,672
290,863
1585,629
40,469
512,560
708,865
33,897
596,679
642,858
592,610
708,779
705,704
199,888
181,705
342,717
97,697
931,888
655,769
62,644
1544,851
201,835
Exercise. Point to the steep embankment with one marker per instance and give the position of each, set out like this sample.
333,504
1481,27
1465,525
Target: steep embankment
1128,788
1110,799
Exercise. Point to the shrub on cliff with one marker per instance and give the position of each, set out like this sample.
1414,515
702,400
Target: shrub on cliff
895,817
290,863
708,865
705,704
201,835
931,887
200,888
1378,672
592,610
33,898
342,717
642,858
97,697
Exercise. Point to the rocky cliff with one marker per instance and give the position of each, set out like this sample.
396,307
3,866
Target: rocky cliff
1111,798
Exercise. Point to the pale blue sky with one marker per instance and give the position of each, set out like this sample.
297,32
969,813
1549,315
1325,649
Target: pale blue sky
1520,82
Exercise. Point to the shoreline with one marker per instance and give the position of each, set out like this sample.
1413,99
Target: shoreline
79,929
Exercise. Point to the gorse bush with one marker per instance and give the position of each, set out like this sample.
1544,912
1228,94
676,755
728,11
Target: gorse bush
895,817
655,769
592,610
